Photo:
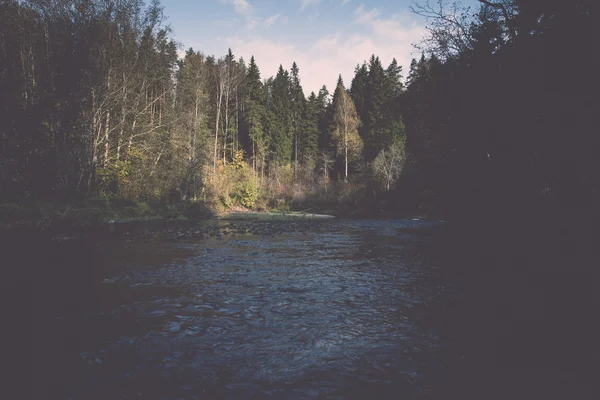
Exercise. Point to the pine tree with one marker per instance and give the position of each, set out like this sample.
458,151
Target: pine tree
309,139
332,106
296,109
358,91
255,116
282,139
375,99
394,80
412,74
322,109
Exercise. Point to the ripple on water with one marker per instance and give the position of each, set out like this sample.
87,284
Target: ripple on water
303,315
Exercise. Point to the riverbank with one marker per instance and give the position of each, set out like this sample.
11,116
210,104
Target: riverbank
95,212
113,210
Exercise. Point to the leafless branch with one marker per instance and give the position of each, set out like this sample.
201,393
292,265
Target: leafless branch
505,14
450,26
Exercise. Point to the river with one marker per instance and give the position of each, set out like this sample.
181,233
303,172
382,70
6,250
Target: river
332,309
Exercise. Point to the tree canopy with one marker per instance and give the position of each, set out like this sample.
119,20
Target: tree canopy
492,115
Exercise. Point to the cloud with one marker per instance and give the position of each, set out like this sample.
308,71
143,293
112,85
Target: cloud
321,60
398,27
344,2
240,6
364,15
306,3
271,20
244,8
252,23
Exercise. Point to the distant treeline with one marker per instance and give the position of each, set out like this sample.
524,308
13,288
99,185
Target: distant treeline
497,114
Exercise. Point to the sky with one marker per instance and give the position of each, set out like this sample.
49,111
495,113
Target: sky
324,37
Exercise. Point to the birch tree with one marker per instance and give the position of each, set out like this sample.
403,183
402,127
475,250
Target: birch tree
389,163
346,123
220,81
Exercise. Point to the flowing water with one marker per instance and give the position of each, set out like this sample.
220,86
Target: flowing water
340,310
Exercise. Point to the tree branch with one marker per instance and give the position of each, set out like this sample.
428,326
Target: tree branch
507,18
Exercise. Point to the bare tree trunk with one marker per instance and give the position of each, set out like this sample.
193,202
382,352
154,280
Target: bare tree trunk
195,131
152,104
160,107
130,143
24,74
156,163
346,151
122,122
106,138
226,128
295,150
253,158
107,125
32,62
94,156
262,168
135,115
219,99
346,159
237,121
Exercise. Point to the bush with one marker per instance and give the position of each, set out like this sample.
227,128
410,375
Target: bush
79,216
98,202
110,201
145,210
117,202
280,204
245,191
140,209
172,211
234,184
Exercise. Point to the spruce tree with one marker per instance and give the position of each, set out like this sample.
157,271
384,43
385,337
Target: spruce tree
297,105
309,139
358,92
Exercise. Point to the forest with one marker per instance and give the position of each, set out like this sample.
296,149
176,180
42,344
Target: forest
495,119
453,210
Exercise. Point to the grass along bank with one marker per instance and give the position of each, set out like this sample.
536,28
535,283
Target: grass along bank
96,211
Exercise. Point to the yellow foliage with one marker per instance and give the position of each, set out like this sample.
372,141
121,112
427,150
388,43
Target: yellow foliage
234,184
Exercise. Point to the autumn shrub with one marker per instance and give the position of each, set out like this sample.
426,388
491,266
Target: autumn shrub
245,191
113,177
234,184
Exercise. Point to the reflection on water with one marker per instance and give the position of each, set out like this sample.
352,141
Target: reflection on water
331,313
